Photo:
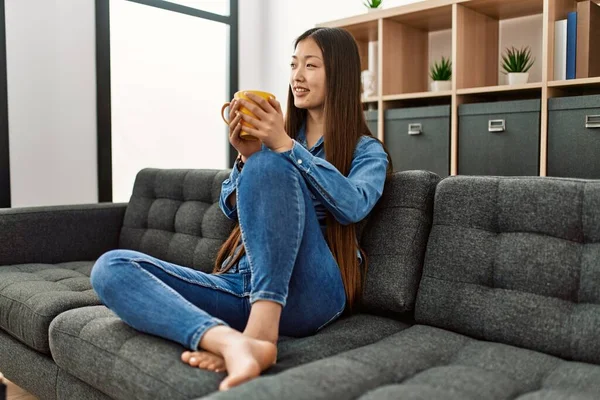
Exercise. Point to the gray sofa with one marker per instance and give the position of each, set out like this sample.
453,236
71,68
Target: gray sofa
478,288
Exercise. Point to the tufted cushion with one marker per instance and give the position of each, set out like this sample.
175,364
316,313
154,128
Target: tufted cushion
174,215
394,239
31,295
516,261
424,362
128,364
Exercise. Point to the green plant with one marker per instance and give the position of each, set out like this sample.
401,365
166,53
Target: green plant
517,60
373,3
441,71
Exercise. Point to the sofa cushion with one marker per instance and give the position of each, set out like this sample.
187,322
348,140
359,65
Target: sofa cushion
394,237
424,362
174,215
31,295
517,261
95,346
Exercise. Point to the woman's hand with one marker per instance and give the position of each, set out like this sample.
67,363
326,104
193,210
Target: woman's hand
269,126
245,147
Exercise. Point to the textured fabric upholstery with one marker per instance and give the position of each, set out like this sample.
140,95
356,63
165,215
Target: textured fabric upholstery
424,362
394,238
516,261
31,295
31,370
128,364
174,215
57,234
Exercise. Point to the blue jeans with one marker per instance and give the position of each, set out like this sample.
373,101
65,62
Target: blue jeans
287,261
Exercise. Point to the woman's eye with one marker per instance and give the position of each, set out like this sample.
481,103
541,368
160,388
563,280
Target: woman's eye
310,65
293,65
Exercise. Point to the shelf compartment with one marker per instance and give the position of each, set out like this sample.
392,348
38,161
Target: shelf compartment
414,41
364,33
485,28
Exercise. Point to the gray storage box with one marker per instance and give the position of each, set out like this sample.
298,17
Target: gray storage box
574,137
499,138
371,117
419,138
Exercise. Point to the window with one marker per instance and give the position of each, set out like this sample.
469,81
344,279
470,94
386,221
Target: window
170,73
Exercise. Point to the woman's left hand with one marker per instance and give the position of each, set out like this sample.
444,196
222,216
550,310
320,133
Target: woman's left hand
269,126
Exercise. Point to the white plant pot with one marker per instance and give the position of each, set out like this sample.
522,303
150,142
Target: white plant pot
438,86
518,78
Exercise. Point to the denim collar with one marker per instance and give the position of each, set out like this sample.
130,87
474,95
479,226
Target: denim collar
301,138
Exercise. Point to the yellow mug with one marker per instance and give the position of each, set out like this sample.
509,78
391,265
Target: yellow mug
240,95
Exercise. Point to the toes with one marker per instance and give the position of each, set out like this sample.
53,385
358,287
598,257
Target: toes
185,356
204,364
194,361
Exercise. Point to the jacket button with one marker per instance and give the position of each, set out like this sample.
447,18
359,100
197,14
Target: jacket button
299,161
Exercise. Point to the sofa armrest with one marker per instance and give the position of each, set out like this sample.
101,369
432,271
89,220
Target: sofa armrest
59,233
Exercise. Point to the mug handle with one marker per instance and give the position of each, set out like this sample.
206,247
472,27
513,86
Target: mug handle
223,110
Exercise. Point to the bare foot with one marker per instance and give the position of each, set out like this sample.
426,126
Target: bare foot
246,358
204,360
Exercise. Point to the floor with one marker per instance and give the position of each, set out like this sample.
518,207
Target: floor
16,393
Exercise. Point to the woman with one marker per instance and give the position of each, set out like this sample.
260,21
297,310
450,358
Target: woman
292,264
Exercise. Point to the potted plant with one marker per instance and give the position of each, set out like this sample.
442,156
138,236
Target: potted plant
372,5
516,63
441,73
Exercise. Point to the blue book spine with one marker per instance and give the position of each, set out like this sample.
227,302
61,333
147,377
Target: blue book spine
571,44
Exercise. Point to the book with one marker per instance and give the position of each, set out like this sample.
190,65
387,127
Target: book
560,50
588,30
571,44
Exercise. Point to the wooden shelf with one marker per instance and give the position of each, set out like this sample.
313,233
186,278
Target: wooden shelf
504,9
430,20
417,95
575,82
371,99
472,34
365,31
501,88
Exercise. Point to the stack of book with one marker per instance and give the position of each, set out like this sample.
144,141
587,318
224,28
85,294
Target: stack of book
574,38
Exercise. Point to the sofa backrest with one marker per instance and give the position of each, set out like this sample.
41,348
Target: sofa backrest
517,261
394,236
174,215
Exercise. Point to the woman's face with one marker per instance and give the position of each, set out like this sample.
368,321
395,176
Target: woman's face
307,77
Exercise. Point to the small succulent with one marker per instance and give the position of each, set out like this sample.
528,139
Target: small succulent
372,3
441,71
517,60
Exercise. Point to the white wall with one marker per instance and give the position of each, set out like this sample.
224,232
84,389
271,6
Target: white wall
51,73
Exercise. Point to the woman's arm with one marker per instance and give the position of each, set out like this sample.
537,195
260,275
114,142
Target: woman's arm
227,198
351,198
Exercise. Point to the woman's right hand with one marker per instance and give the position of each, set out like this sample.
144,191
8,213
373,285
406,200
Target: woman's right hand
245,147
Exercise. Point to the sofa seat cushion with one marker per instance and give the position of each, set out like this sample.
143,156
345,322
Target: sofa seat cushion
32,295
94,345
424,362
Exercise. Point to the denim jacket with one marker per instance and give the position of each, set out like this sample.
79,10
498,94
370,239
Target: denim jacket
349,199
